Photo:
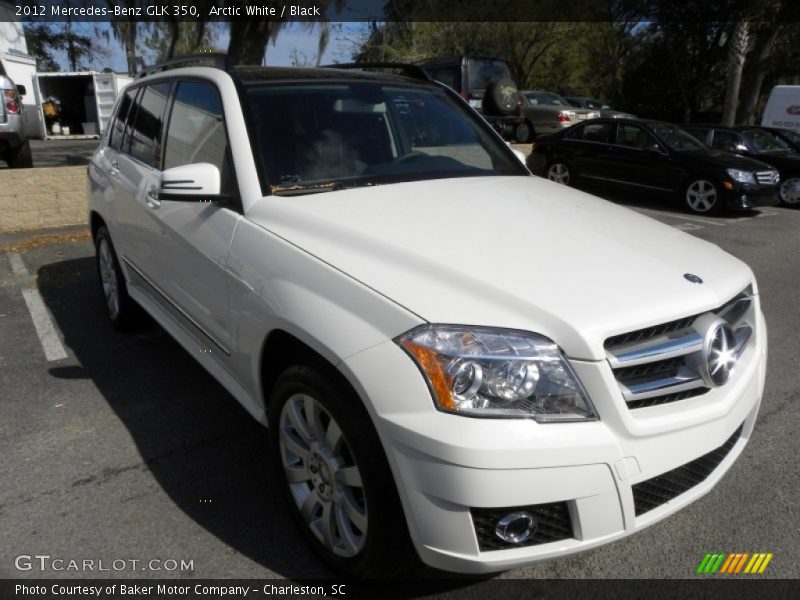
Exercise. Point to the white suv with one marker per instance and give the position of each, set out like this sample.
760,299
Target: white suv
452,356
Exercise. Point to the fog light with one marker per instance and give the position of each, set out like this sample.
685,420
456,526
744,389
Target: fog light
516,527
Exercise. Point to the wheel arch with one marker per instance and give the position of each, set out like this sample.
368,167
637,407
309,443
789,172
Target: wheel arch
95,222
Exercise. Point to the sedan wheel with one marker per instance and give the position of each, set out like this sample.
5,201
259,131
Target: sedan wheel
790,191
323,478
559,172
702,196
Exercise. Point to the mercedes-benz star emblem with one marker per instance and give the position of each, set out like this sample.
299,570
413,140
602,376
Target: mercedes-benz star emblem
692,278
720,353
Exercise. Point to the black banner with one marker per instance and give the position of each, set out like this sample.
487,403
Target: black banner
434,589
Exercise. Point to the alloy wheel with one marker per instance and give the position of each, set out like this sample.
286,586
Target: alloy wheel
323,478
559,172
701,195
790,191
108,278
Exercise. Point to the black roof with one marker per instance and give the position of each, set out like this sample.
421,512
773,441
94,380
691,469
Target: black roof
256,74
718,126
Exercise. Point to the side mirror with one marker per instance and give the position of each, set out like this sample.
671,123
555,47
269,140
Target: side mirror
21,90
199,182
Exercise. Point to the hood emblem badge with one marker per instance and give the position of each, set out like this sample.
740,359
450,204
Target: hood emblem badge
720,353
692,278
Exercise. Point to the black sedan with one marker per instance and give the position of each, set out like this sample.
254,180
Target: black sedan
757,143
656,156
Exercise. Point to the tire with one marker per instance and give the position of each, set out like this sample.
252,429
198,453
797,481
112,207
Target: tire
500,97
21,158
121,309
523,133
339,475
560,172
789,191
702,195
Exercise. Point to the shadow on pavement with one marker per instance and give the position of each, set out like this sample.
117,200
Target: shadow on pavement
193,437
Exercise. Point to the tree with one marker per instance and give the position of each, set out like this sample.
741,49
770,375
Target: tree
738,44
166,40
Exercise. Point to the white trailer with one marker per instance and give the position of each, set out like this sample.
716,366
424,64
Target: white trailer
86,100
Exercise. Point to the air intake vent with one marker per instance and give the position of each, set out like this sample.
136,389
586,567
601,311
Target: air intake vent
659,490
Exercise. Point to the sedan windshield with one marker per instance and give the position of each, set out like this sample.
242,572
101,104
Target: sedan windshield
328,136
763,141
677,139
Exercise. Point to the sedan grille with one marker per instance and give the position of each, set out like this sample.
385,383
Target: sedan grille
659,490
768,177
666,363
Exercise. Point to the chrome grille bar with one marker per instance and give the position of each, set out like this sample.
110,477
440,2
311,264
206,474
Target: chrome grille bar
664,361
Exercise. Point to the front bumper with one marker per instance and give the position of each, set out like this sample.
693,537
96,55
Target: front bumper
745,197
444,465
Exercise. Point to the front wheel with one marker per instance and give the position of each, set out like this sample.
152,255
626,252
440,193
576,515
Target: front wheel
560,172
790,192
335,476
702,196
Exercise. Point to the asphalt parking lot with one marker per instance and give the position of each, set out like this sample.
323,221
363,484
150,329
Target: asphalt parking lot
120,446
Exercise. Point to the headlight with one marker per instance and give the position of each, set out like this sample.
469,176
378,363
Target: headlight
741,176
485,372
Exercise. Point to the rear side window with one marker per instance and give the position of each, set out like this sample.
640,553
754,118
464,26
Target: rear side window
125,144
118,128
145,142
196,132
594,132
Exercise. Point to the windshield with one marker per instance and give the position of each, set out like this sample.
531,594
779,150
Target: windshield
537,98
676,138
763,141
481,70
321,137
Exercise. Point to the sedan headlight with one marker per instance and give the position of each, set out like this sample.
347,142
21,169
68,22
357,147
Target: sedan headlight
741,176
484,372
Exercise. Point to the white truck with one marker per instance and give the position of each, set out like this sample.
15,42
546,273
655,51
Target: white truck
783,108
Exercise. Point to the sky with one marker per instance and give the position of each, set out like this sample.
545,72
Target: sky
294,37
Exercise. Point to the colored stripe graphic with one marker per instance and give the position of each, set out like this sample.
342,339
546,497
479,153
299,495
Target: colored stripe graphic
734,562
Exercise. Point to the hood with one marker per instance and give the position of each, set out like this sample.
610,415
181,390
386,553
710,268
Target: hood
727,160
514,252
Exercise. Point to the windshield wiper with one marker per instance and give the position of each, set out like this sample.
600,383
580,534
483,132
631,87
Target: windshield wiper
298,189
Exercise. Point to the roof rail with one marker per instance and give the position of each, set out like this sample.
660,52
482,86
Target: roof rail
220,60
409,70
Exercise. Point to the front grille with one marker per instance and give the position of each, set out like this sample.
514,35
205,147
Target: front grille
553,523
767,177
664,363
659,490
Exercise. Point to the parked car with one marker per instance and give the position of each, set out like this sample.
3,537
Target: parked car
783,108
656,156
14,146
546,112
483,81
755,142
790,136
452,356
604,108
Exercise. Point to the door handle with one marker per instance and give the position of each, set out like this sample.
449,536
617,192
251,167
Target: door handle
152,200
114,170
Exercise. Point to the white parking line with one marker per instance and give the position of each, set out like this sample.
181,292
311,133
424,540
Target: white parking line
51,343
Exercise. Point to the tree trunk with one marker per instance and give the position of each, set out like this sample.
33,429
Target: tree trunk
755,71
737,49
249,40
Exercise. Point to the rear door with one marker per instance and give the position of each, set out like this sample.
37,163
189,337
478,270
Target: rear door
590,149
